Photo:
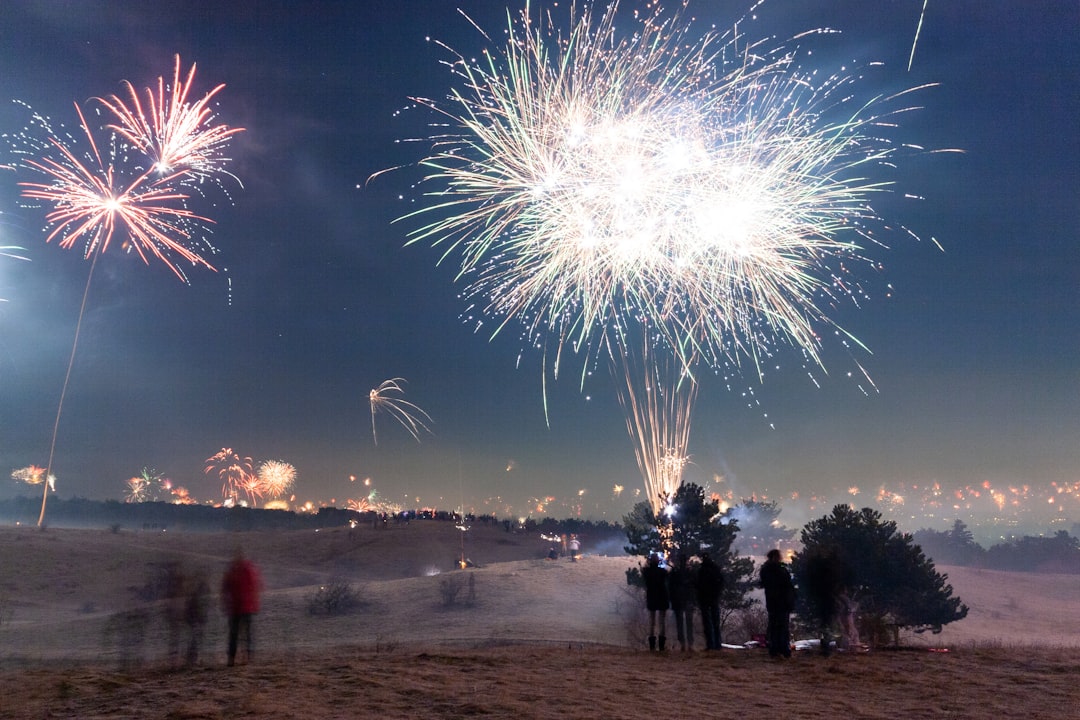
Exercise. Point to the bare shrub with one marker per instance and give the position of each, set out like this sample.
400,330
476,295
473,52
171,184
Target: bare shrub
450,587
635,619
743,625
336,597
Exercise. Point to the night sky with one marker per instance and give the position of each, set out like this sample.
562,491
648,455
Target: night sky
317,299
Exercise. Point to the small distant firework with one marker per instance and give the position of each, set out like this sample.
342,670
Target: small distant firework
234,472
34,475
148,486
175,133
410,416
276,477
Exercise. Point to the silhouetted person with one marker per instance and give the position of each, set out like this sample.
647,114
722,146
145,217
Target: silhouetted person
240,590
656,599
779,603
710,583
822,587
681,592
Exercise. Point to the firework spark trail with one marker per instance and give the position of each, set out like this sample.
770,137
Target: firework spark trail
657,396
408,414
175,133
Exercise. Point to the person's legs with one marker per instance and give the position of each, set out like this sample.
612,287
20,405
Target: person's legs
680,627
714,622
773,634
663,628
234,631
706,628
244,627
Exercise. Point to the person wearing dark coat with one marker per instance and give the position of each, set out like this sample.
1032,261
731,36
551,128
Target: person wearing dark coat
681,592
710,583
779,603
656,599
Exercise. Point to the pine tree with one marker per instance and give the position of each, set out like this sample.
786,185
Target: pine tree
895,584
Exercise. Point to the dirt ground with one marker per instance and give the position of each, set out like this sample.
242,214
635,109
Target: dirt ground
83,635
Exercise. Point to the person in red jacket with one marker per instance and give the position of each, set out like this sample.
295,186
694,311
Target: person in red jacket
240,590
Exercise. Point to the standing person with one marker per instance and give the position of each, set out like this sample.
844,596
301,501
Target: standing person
681,592
575,548
779,603
656,599
710,583
240,590
822,583
195,617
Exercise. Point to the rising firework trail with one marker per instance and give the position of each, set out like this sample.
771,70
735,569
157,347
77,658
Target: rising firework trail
706,193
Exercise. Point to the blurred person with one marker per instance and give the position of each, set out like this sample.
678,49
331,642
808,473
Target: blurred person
779,603
195,616
575,548
656,600
240,589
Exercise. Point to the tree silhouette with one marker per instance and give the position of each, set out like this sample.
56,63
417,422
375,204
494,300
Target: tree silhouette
955,546
895,584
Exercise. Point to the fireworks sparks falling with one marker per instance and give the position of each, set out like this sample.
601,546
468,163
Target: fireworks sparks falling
235,473
385,399
705,194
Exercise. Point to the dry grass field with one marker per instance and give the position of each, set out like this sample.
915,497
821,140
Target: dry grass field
83,635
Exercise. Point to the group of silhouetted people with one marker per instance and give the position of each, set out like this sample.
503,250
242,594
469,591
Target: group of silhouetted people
684,585
679,589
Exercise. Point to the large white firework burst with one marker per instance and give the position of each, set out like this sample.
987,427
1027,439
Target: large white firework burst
591,181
